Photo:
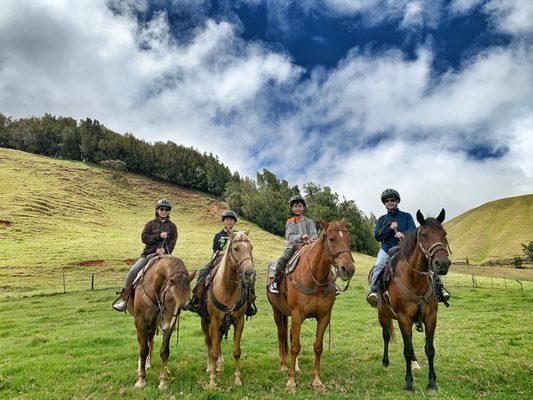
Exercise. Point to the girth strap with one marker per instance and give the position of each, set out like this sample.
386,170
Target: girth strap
310,291
420,300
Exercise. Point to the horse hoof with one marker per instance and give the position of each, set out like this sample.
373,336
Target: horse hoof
431,389
385,363
409,388
212,386
238,382
290,387
415,366
283,368
162,386
319,387
140,384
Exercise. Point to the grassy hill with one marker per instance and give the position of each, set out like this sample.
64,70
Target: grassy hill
493,231
67,217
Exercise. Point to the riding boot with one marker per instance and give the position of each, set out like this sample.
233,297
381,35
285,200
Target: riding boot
121,302
442,294
251,308
193,304
273,287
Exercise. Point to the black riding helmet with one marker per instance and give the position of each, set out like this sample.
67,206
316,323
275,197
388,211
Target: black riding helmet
297,198
229,214
388,193
163,203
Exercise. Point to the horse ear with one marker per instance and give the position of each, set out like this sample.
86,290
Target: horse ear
420,218
441,216
247,232
192,275
324,224
343,221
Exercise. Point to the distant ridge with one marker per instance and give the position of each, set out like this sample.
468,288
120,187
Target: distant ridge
492,231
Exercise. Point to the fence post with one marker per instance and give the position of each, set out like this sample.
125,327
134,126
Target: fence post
64,287
520,283
92,281
474,281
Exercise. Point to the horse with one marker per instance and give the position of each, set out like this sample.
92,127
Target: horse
309,292
226,296
410,296
158,297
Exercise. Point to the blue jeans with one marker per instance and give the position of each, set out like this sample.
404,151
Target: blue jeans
381,261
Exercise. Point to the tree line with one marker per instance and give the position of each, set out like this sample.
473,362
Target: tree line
263,201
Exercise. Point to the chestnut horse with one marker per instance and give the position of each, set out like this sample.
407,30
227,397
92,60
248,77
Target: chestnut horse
227,296
158,297
309,292
411,292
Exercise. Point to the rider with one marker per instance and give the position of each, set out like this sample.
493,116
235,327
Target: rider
390,229
298,229
229,219
159,235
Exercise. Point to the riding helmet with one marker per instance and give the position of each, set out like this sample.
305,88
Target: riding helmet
229,214
297,198
163,203
388,193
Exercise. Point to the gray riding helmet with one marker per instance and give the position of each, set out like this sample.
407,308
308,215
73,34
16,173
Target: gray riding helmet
163,203
229,214
297,198
388,193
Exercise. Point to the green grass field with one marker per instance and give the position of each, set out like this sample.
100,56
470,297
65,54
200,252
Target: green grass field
493,231
67,217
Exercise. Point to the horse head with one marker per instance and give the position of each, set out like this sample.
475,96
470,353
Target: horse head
336,244
175,294
432,240
240,252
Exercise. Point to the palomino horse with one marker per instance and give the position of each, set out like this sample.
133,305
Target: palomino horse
411,292
310,293
162,291
227,296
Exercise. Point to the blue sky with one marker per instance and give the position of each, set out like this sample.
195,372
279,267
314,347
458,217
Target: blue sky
430,97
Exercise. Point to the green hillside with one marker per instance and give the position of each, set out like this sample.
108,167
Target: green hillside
493,231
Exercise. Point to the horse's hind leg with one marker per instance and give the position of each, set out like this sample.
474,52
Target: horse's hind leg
214,352
164,354
281,322
207,340
151,349
239,326
142,338
296,325
386,325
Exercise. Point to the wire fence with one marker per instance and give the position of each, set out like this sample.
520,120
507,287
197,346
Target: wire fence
13,286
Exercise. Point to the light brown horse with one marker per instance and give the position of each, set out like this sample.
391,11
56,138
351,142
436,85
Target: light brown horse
227,297
156,302
422,253
309,292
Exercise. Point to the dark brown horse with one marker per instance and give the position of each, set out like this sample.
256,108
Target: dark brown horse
158,297
227,298
309,292
410,296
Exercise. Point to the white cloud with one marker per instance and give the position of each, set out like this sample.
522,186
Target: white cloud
220,93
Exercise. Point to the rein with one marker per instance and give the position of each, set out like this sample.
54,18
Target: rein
429,253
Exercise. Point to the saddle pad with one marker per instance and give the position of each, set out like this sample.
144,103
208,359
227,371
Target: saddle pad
141,273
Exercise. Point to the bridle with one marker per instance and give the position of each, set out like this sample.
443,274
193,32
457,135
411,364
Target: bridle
428,253
237,263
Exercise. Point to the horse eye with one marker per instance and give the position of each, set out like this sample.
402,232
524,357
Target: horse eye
236,249
423,234
331,239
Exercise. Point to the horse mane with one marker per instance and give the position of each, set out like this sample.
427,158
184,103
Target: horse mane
408,245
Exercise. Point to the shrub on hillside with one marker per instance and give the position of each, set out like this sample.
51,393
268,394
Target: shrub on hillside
528,250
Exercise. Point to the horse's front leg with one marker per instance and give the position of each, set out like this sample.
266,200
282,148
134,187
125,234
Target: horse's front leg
164,354
214,351
321,326
296,325
408,352
431,324
239,326
385,323
142,338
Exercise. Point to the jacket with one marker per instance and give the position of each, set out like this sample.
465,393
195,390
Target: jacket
150,236
298,226
219,243
385,234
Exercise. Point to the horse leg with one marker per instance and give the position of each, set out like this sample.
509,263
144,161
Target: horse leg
431,325
214,352
150,350
238,326
386,333
207,339
407,335
164,354
321,326
142,338
296,325
281,323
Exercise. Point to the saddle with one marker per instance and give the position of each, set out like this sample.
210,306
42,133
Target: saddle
291,264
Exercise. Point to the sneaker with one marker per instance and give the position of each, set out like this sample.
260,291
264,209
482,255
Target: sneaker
372,299
120,306
273,288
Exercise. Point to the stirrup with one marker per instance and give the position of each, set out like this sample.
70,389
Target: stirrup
273,288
